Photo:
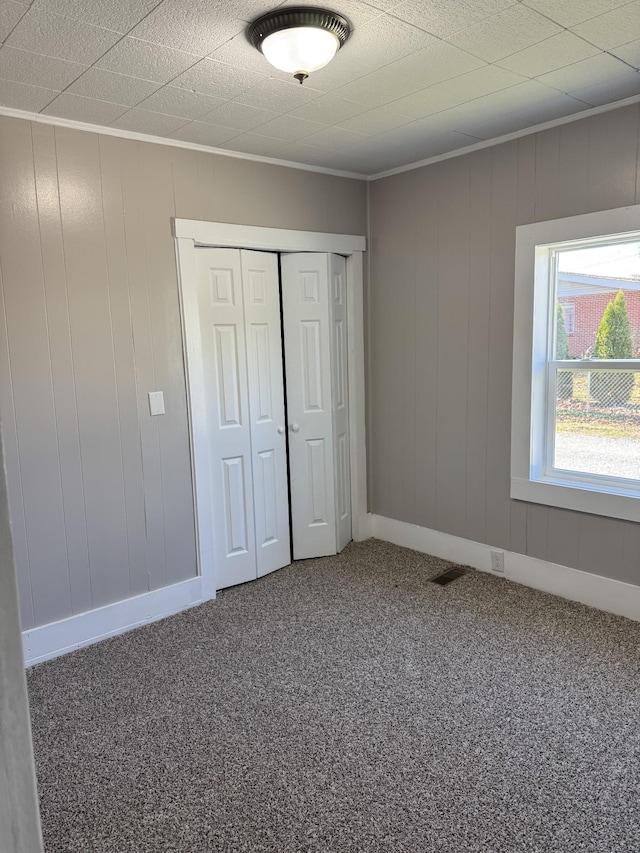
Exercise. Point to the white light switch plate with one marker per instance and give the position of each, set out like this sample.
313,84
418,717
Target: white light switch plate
156,402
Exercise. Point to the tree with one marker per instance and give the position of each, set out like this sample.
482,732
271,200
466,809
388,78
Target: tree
613,341
565,377
614,333
562,341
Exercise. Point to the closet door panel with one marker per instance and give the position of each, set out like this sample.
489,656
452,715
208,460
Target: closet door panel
306,311
222,328
266,409
340,397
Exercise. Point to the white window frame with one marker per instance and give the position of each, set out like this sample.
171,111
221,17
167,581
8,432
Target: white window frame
533,391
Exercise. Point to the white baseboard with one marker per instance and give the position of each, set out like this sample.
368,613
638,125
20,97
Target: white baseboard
84,629
613,596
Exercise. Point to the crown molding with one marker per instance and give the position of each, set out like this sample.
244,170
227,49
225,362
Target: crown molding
508,137
323,170
173,143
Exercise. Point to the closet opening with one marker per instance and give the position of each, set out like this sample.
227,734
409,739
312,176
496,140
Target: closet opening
273,338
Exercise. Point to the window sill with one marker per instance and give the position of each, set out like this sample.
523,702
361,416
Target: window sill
583,498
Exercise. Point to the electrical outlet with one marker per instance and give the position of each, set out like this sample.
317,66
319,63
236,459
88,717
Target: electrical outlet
497,562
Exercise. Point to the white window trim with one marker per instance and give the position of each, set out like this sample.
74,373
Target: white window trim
190,233
531,311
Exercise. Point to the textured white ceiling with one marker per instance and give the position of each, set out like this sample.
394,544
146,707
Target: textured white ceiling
417,78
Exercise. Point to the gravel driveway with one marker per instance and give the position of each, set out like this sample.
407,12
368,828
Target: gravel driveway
618,457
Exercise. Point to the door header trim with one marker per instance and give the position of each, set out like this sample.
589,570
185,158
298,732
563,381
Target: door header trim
228,235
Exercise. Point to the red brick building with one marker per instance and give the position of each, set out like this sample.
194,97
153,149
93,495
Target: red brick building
583,299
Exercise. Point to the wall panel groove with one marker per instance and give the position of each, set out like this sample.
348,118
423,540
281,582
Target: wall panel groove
30,364
452,338
124,363
60,350
13,473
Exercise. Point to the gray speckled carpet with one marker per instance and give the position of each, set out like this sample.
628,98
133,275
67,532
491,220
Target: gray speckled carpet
347,704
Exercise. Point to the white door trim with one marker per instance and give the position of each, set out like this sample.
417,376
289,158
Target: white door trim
189,234
227,235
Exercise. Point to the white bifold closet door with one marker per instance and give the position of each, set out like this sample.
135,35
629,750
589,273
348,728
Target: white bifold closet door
340,397
240,327
315,336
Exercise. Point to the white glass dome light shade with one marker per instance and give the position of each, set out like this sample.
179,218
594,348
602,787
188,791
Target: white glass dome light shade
300,49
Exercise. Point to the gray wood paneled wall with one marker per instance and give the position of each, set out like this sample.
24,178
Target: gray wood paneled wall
441,333
100,492
19,815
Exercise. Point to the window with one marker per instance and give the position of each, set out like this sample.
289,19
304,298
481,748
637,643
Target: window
576,379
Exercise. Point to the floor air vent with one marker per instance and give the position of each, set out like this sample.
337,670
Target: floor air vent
447,577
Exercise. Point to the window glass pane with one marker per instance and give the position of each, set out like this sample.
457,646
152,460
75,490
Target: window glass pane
598,302
597,426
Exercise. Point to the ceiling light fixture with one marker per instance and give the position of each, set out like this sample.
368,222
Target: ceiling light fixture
299,39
